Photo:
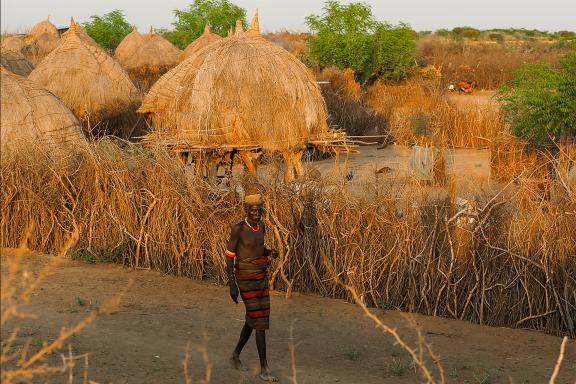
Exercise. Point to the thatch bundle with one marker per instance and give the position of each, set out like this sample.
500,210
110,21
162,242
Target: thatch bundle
91,83
204,40
30,113
128,46
14,43
154,55
242,90
15,62
44,27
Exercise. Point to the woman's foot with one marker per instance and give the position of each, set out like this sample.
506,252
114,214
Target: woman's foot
266,375
237,364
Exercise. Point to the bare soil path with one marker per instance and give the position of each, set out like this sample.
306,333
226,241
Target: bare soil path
144,339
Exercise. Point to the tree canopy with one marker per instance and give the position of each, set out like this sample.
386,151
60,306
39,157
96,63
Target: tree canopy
540,101
220,15
348,36
108,30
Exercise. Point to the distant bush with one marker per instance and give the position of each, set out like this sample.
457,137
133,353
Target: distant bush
108,30
540,102
442,32
467,32
496,36
348,36
564,34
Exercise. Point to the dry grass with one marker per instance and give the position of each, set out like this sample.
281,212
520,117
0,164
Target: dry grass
419,109
488,63
395,244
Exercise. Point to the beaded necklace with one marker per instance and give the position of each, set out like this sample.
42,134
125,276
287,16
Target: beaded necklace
255,228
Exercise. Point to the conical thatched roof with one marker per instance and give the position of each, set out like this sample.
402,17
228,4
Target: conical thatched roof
15,62
128,46
14,43
240,90
204,40
29,112
81,32
91,83
155,54
44,27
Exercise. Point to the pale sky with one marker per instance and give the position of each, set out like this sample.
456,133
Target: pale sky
550,15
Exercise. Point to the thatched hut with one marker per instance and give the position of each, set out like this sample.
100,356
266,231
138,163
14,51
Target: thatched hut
31,114
240,93
44,27
204,40
128,46
154,57
91,83
15,62
14,43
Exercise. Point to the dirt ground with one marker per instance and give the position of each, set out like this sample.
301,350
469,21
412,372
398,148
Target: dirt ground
143,340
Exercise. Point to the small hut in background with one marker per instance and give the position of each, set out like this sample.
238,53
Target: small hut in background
15,62
128,45
154,57
42,39
44,27
31,114
13,43
241,95
92,84
204,40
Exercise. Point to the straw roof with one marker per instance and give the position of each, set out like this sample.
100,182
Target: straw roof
15,62
39,47
128,45
91,83
204,40
30,112
155,54
44,27
81,32
15,43
241,90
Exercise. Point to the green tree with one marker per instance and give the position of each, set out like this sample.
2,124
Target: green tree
108,30
220,15
540,101
348,36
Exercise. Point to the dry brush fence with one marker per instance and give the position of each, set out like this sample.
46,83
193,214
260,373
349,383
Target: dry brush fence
504,263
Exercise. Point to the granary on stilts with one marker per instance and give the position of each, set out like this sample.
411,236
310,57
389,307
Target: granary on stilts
152,58
15,62
92,84
240,95
32,115
202,41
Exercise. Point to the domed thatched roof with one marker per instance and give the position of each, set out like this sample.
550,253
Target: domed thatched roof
44,27
29,112
15,62
239,90
14,43
128,46
39,47
155,54
204,40
91,83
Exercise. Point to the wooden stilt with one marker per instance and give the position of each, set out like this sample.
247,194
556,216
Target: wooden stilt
248,162
289,162
297,163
